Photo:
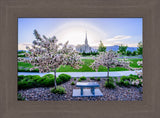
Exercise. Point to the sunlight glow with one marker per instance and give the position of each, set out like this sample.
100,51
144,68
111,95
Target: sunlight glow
75,33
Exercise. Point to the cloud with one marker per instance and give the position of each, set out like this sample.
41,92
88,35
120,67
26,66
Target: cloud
22,46
119,37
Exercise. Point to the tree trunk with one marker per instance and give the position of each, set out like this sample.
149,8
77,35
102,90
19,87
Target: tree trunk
108,75
55,83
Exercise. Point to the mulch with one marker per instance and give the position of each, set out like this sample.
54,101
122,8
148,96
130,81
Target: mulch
117,94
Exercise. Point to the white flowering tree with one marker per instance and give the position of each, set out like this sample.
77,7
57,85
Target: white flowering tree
109,60
47,55
140,74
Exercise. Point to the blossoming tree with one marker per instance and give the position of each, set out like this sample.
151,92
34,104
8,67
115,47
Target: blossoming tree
109,60
140,74
47,55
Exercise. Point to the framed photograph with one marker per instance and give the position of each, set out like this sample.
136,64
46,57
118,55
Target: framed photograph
82,59
71,59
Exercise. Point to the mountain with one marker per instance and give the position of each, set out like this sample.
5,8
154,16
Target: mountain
116,47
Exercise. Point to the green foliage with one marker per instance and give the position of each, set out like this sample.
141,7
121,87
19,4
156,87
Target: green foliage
89,53
98,79
116,78
72,83
21,55
122,49
58,90
104,69
128,53
124,78
75,79
85,67
133,77
110,84
134,64
79,80
119,83
64,77
134,53
92,78
83,78
22,51
140,48
19,97
32,81
101,47
20,77
126,83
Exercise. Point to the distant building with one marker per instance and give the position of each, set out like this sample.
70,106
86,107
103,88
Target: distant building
85,47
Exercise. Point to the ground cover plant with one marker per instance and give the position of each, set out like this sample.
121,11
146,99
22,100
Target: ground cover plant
131,80
72,83
58,90
19,97
110,84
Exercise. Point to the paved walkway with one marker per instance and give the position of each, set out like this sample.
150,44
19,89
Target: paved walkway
86,74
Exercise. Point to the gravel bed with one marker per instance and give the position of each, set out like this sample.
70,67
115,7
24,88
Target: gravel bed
117,94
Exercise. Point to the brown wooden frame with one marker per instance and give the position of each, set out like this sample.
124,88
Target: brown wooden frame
10,10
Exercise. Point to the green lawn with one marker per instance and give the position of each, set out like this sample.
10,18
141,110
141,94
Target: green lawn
85,66
26,65
134,63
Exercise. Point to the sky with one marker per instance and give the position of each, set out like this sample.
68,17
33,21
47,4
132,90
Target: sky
111,31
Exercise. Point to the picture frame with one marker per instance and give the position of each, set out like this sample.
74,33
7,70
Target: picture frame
11,10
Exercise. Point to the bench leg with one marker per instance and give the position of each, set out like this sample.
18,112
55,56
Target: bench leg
93,90
81,90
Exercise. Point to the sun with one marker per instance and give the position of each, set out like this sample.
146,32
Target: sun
75,33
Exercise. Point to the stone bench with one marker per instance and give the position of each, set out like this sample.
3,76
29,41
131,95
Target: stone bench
87,92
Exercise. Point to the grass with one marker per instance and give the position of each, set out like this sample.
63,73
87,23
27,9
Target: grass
85,66
134,63
26,65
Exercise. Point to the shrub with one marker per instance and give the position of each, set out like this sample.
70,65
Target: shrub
59,81
47,80
64,77
109,84
35,77
120,83
23,85
75,79
126,83
125,78
58,90
48,76
98,79
19,97
21,55
72,83
83,78
20,77
133,77
92,78
31,81
115,78
111,79
138,83
79,80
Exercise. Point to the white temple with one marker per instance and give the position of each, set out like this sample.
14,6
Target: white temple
85,47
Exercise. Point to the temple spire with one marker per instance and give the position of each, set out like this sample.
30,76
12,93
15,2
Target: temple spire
86,41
